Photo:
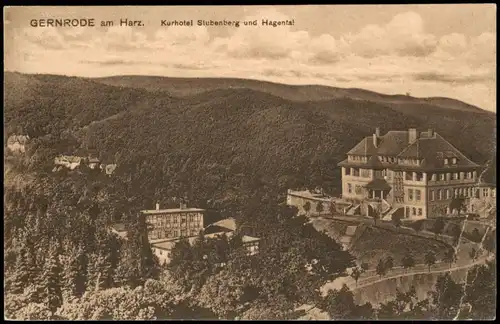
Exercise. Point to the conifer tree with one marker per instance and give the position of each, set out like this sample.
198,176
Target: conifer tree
52,281
21,273
77,271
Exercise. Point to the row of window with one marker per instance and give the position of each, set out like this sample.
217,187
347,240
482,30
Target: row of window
390,159
160,234
176,225
414,176
452,176
447,193
411,176
357,158
174,218
413,211
486,192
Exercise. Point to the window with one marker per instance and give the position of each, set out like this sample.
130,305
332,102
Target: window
410,194
448,193
454,161
407,211
440,194
442,177
445,161
414,211
420,212
418,194
409,176
433,197
347,171
365,173
457,193
493,193
455,176
357,190
349,188
355,172
485,192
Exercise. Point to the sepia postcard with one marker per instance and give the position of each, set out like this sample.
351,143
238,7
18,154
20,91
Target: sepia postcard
326,162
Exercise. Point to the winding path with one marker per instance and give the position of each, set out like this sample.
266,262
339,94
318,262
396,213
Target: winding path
419,269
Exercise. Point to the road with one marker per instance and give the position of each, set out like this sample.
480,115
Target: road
419,269
370,277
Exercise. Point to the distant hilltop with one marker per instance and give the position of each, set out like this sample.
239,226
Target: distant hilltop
190,86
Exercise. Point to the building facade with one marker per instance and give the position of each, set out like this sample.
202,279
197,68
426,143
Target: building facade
173,223
163,249
307,202
410,173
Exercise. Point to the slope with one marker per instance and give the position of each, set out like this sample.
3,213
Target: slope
189,86
214,145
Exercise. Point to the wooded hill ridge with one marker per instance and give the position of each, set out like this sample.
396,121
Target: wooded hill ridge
207,137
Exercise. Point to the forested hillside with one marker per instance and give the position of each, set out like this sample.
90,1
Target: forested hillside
211,146
230,150
191,86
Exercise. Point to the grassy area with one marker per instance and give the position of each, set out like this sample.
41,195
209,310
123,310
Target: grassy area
452,227
334,229
376,243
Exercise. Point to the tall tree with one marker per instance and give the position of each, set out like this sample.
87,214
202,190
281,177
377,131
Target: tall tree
340,305
76,274
355,274
389,263
408,262
489,243
446,297
430,259
381,269
481,291
52,276
450,256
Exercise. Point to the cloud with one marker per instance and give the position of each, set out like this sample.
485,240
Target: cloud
395,57
263,41
453,79
404,35
49,37
455,44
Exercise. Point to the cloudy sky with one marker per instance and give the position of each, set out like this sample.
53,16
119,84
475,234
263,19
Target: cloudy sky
426,50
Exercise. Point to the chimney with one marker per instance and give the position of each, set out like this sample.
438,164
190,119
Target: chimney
412,135
376,136
157,206
430,132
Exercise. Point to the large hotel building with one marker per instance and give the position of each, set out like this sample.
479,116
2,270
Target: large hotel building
414,174
173,223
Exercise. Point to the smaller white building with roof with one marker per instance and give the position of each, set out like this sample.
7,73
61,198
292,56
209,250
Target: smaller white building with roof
227,227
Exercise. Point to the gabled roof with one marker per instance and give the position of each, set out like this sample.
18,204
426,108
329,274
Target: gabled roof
434,151
431,149
390,144
229,224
